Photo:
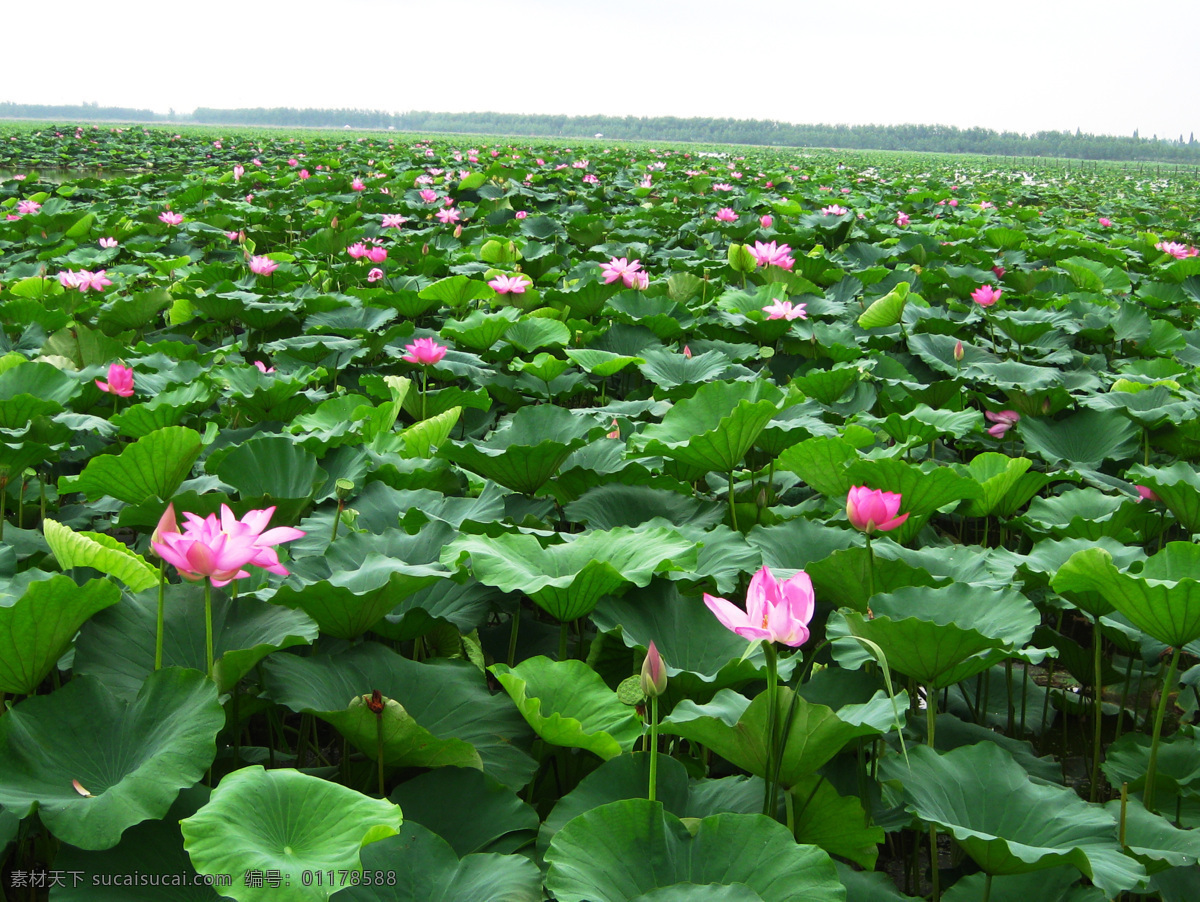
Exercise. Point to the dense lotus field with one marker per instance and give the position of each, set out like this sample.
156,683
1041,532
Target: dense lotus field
397,519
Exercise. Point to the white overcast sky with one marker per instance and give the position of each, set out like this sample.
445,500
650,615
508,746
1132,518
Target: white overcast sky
1024,65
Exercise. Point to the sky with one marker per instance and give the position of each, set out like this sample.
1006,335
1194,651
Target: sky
1102,66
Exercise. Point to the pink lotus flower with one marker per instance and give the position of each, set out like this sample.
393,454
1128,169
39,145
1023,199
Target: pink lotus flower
120,381
447,216
393,220
954,202
769,255
834,210
375,275
872,510
615,432
429,196
304,174
1175,249
68,279
358,250
170,218
687,352
508,284
27,207
521,214
1004,420
1104,221
902,219
376,253
654,673
590,178
238,171
108,242
999,271
766,221
722,186
775,611
1145,493
236,236
424,351
93,281
263,266
218,550
625,270
785,310
358,185
263,368
986,205
985,295
293,162
726,214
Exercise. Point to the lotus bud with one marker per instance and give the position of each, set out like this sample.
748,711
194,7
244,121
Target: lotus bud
458,231
425,249
958,352
166,524
654,673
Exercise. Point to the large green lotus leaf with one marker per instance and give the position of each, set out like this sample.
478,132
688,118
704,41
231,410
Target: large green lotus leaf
448,701
600,363
567,580
1153,840
796,543
870,886
709,892
844,579
9,825
887,310
998,476
924,489
1127,760
527,450
417,865
625,777
470,810
37,627
827,387
532,333
669,369
1005,822
270,466
117,646
282,820
152,467
923,424
713,429
1050,885
1086,513
736,729
624,850
1150,409
938,636
821,462
1179,487
567,703
1085,439
100,552
464,605
42,380
480,330
149,848
133,756
1162,601
614,504
456,291
834,822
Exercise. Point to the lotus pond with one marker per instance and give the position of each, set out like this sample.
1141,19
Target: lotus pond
444,519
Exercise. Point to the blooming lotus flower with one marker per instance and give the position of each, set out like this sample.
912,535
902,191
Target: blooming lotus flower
872,510
508,284
985,295
358,250
376,253
263,368
726,214
999,271
722,186
769,255
1104,221
218,550
1145,493
375,274
429,196
68,279
263,266
26,207
785,310
393,220
424,351
170,218
120,381
625,270
238,171
304,174
94,281
1175,249
1004,420
775,611
834,210
358,185
108,242
902,219
448,215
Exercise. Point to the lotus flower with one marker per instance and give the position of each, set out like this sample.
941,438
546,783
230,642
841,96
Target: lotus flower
985,295
785,310
218,550
263,266
447,216
626,271
766,221
424,351
263,368
654,673
393,220
170,218
1145,493
358,250
376,253
769,254
902,219
375,274
508,285
108,242
775,611
872,510
26,207
1104,221
1004,420
834,210
120,381
726,214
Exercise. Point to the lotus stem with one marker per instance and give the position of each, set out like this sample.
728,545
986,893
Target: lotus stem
789,804
987,887
1097,703
3,500
934,876
208,633
732,509
563,632
1124,696
870,570
379,753
512,635
424,390
336,517
1152,768
158,636
653,746
769,794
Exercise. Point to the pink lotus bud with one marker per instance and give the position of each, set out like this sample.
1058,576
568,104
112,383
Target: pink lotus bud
654,673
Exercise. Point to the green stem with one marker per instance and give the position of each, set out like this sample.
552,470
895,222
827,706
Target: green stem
789,804
930,713
870,570
987,887
158,637
336,517
1152,768
732,510
653,746
930,728
563,632
772,726
1096,710
208,634
424,390
934,876
379,753
512,635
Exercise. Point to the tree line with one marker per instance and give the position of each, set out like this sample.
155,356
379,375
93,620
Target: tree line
920,138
